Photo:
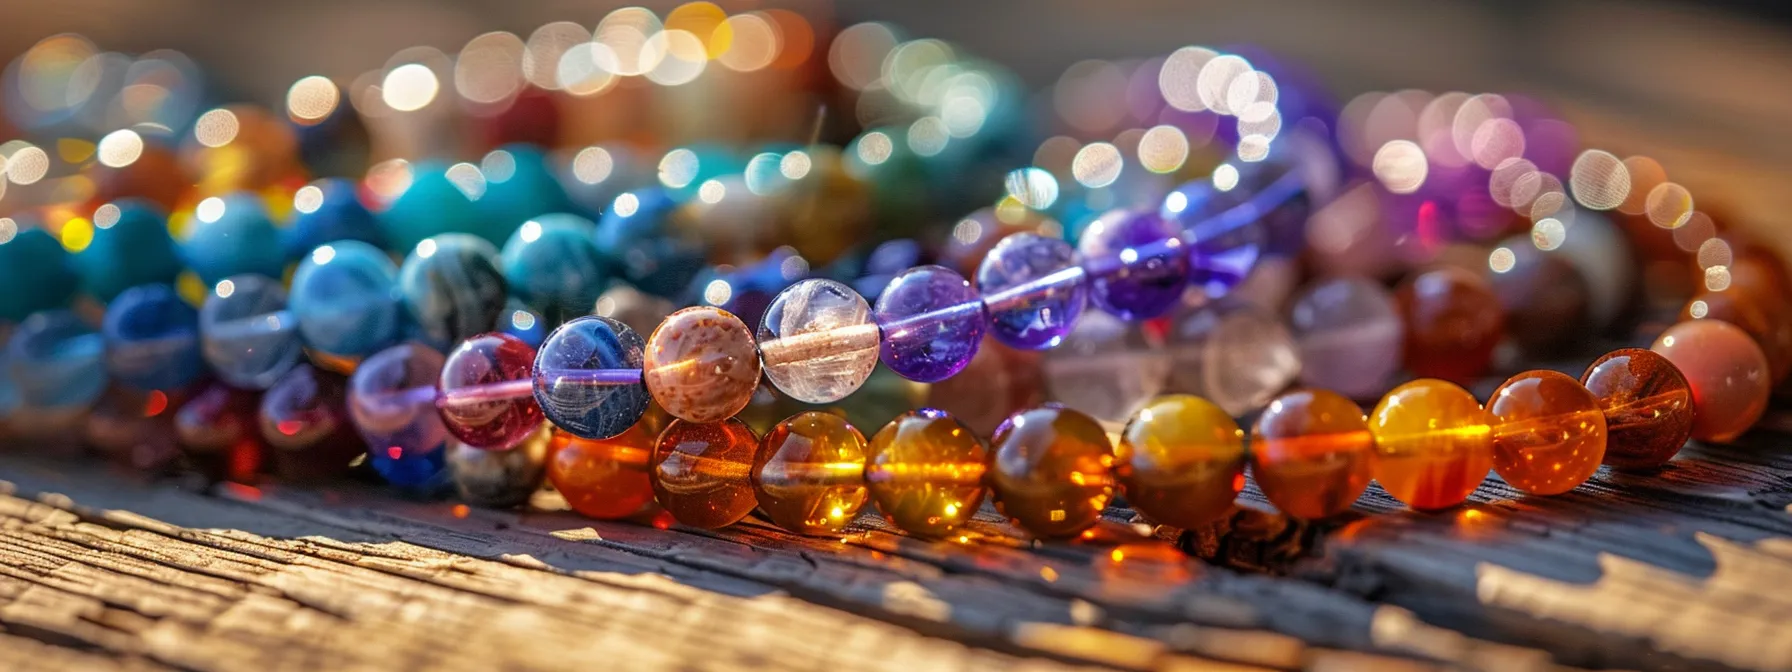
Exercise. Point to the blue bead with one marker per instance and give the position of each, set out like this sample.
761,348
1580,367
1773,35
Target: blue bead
518,186
637,234
411,469
432,205
452,287
576,404
1227,228
35,272
152,338
326,211
57,362
1033,290
345,297
130,247
554,268
250,338
232,235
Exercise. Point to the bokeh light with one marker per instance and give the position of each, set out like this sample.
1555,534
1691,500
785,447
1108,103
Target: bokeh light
216,128
120,148
490,67
409,87
312,99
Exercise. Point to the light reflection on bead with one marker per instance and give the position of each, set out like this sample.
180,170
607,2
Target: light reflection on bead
1034,290
1548,432
932,323
1051,469
925,471
1433,445
588,377
701,365
818,342
604,478
1312,453
484,392
1182,461
152,339
809,474
250,338
702,473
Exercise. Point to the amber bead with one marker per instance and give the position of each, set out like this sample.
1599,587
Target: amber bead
1453,321
1433,445
1312,453
702,473
1765,316
1181,460
603,478
1052,470
925,471
1647,405
809,474
1727,372
1548,432
701,364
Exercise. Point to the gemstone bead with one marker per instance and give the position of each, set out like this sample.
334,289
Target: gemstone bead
604,478
817,341
391,399
328,211
518,186
130,247
1433,445
1312,453
1545,298
57,362
1647,405
250,338
1453,321
1227,242
1052,470
1136,266
701,365
1106,368
485,392
1350,336
638,236
35,272
452,287
345,297
432,205
1766,316
1727,372
500,479
702,473
932,322
304,418
232,235
152,339
809,474
925,471
588,377
1181,460
1548,432
551,264
1231,353
1034,290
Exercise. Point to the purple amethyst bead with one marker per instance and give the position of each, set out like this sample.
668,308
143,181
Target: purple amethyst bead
932,322
1033,289
391,399
1137,267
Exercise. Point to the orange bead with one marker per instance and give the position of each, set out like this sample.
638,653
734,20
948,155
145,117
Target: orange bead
925,471
1182,460
1766,317
810,473
1548,432
1728,374
1453,321
1433,445
1312,453
702,473
1051,468
604,478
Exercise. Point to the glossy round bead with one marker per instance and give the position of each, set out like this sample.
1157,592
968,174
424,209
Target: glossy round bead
1453,322
588,377
932,322
391,399
638,236
702,473
432,205
130,247
701,365
817,341
1433,445
250,338
232,235
1350,336
1181,460
1052,470
328,211
35,271
57,362
551,264
500,479
809,474
152,339
1548,432
1106,368
1136,266
925,471
304,418
345,297
1034,290
1727,372
518,186
1231,353
452,287
1312,454
604,478
1647,405
484,392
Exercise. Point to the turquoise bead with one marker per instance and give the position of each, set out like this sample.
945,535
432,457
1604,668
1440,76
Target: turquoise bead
57,362
152,338
326,211
518,186
452,287
554,268
345,297
232,235
431,205
35,272
638,236
130,247
248,335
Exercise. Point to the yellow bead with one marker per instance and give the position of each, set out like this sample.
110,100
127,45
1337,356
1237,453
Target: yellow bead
925,471
810,473
1433,445
1052,470
1181,459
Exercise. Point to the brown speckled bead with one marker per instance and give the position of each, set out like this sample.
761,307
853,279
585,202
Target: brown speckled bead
701,364
1052,470
702,473
1453,321
1728,374
1647,405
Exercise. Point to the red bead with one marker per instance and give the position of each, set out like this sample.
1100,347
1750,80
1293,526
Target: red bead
485,393
1453,321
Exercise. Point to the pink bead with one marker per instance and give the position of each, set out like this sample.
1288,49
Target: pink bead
1728,374
486,394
